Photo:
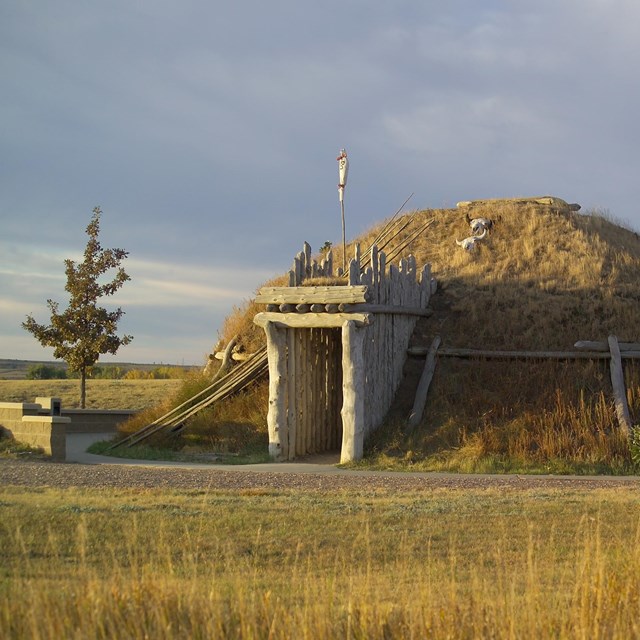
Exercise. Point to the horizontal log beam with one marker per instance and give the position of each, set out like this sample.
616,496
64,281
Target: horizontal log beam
597,345
312,320
386,308
453,352
310,295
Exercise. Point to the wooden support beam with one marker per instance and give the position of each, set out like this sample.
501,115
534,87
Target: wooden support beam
415,417
312,320
352,392
598,345
311,295
453,352
619,389
386,308
277,423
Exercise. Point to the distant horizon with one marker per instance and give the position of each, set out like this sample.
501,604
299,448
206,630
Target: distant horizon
114,362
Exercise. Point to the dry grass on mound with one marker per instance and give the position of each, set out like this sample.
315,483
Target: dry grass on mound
539,281
488,416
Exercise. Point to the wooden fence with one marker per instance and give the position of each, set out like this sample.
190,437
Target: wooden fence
611,350
336,352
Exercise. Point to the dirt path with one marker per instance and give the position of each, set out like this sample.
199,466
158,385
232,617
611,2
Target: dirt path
64,475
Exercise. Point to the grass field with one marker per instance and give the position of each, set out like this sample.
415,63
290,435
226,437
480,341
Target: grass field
101,394
302,564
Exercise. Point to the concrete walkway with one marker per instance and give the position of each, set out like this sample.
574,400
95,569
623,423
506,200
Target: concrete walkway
78,443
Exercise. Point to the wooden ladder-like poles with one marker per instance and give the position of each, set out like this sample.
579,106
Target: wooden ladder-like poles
239,378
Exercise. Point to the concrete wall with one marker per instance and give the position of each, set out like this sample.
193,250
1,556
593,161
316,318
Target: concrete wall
26,423
47,432
45,424
95,420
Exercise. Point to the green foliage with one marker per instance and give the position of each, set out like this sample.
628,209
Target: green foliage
634,446
157,373
85,330
45,372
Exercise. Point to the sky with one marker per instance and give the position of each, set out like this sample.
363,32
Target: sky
208,134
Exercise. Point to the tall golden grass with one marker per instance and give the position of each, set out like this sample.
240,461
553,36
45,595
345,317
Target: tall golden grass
279,564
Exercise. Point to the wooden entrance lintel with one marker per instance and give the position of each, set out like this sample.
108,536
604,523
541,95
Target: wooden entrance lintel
312,320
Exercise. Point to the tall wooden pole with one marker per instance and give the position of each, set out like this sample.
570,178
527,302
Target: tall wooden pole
343,172
344,241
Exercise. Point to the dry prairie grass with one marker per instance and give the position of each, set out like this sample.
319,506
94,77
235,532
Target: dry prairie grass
101,394
301,564
540,280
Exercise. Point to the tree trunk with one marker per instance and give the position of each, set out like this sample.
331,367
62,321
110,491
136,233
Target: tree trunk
83,387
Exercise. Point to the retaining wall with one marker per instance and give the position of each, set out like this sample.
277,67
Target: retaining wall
45,424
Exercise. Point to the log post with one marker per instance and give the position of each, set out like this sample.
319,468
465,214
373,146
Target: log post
277,413
619,389
352,393
415,417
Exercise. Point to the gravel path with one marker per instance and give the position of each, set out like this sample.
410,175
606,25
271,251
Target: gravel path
62,475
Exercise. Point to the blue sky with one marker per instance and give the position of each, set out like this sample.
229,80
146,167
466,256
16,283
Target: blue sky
208,133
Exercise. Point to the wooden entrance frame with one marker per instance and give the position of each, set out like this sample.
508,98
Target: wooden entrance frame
336,353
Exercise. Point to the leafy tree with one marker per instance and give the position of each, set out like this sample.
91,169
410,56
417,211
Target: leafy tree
84,331
45,372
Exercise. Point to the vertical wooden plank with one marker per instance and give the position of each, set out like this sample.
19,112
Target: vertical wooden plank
277,422
376,271
324,417
315,363
306,379
338,393
306,252
300,399
425,282
619,389
328,395
382,277
321,413
334,388
292,410
354,273
352,393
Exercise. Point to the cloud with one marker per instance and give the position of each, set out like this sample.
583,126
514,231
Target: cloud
208,132
162,299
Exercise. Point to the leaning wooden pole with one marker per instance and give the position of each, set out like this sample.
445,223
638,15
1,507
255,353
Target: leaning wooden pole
415,417
619,389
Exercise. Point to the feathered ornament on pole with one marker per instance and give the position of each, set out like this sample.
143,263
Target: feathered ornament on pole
343,172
